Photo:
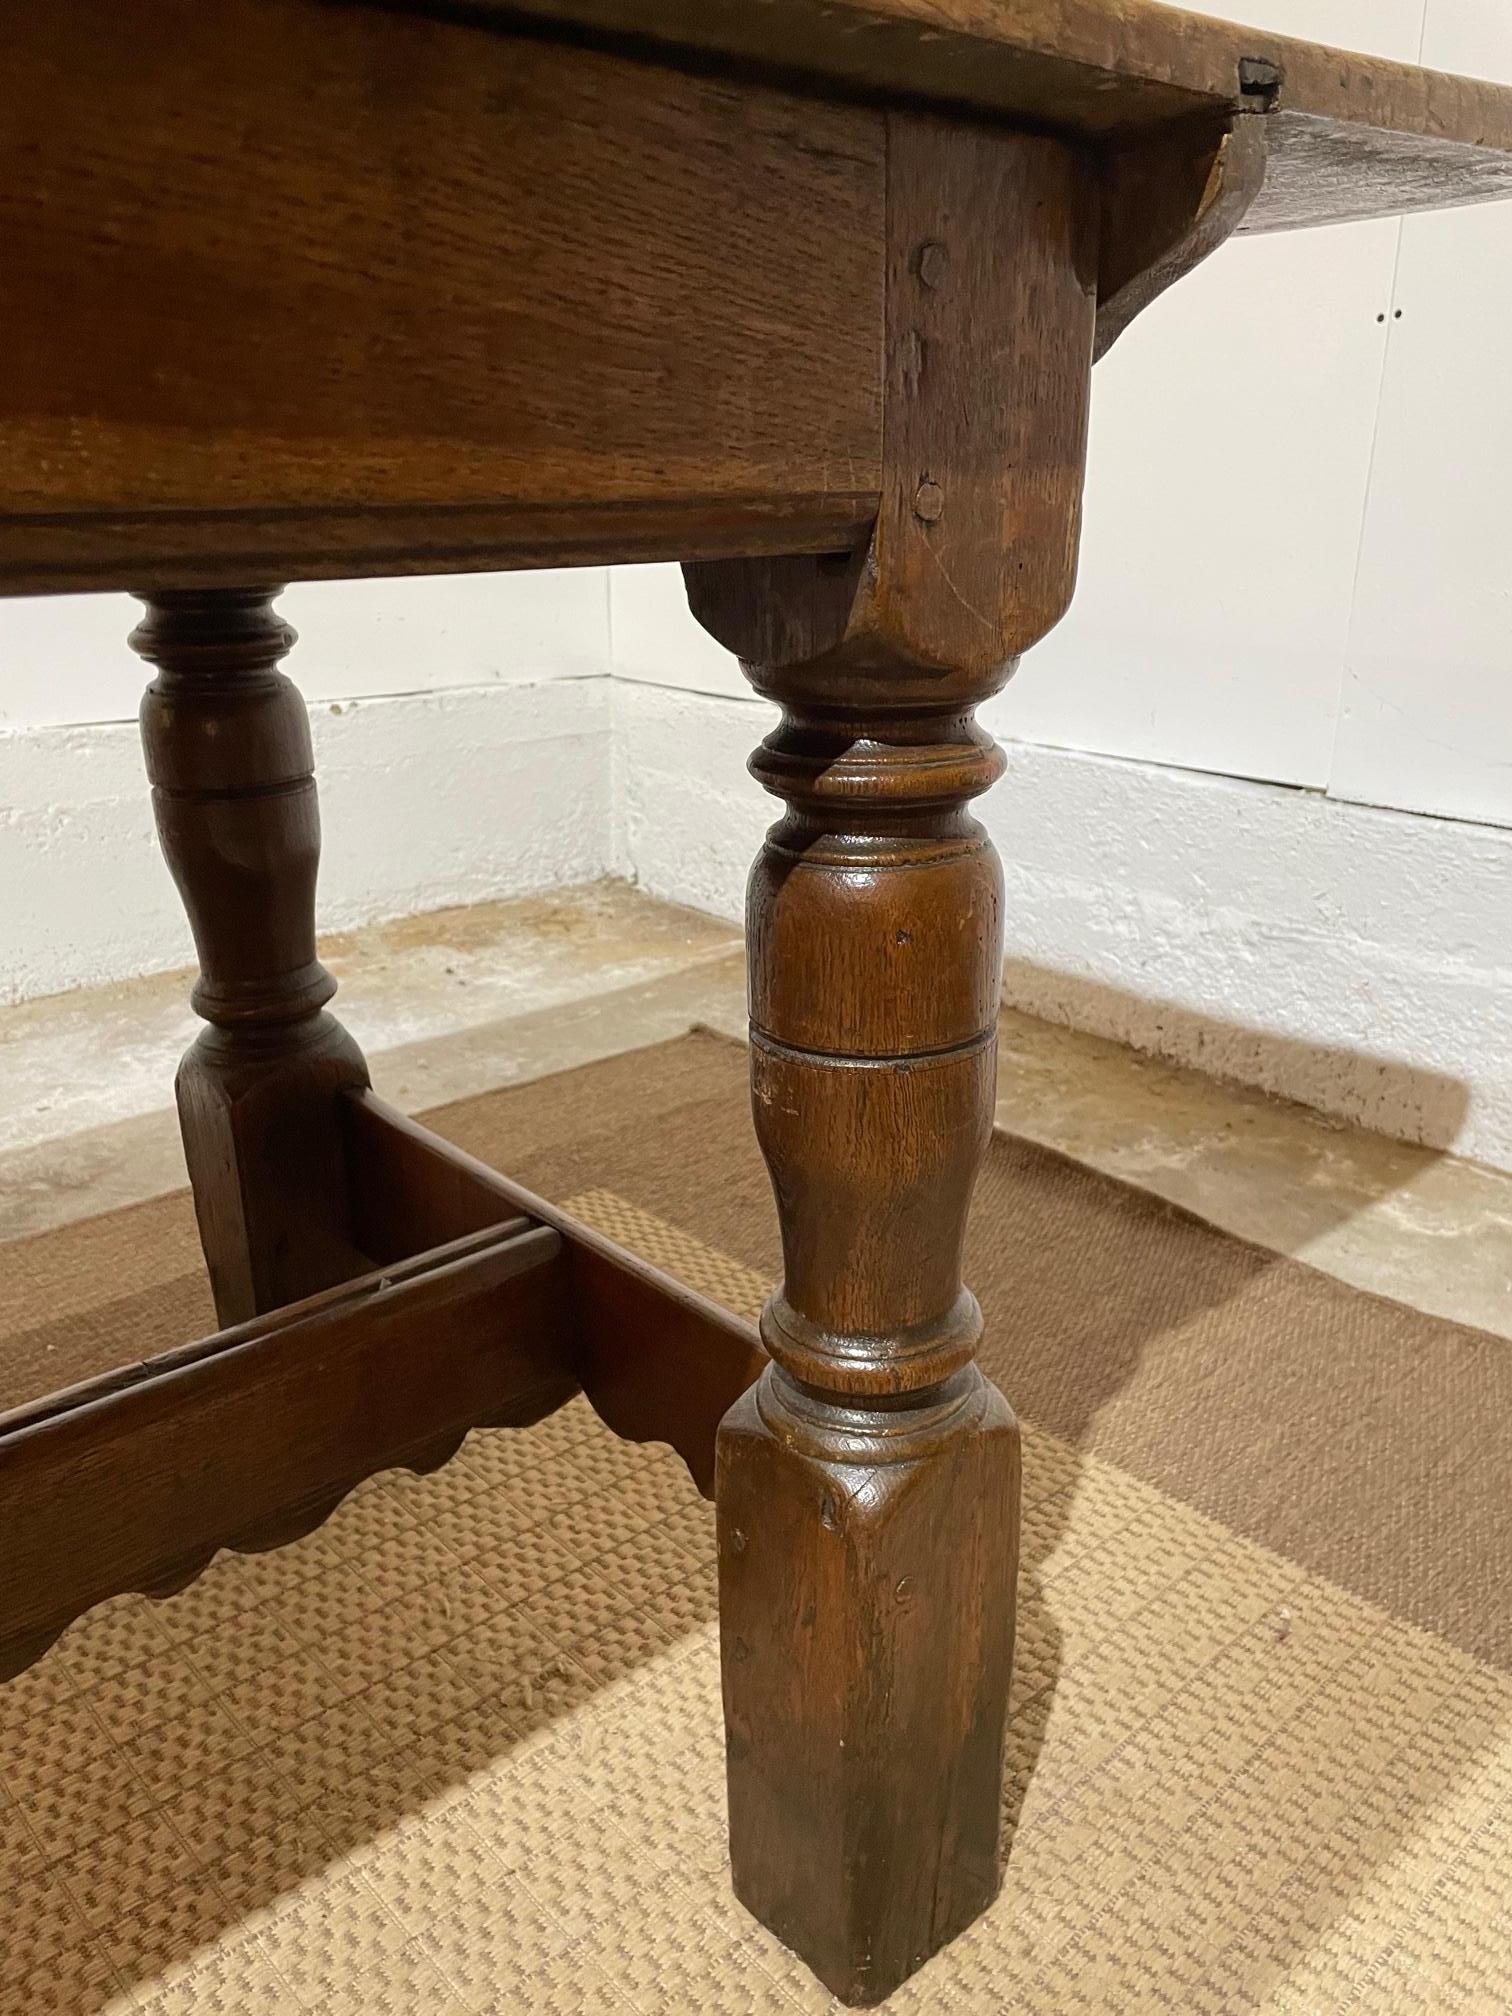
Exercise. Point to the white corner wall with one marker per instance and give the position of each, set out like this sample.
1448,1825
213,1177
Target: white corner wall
1258,815
462,739
1351,958
1260,788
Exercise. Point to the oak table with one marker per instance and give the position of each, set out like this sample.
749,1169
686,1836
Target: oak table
802,293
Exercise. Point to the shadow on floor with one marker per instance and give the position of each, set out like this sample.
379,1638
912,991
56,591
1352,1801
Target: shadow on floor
1355,1086
201,1771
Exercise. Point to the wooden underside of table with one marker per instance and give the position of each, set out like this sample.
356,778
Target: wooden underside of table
805,294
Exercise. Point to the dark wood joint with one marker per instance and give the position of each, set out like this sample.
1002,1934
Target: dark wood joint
658,1361
1167,204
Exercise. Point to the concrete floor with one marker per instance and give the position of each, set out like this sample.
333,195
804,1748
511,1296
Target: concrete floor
460,1001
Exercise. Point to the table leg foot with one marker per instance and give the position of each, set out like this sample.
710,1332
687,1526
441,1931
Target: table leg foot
866,1587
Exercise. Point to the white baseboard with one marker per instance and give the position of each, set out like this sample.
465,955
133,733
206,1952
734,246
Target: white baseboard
1353,959
427,800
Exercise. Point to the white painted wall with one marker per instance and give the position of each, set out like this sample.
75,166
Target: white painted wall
462,735
1426,719
1230,453
1297,559
1295,571
1351,958
64,660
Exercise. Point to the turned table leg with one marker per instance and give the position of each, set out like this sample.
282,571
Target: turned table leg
868,1485
228,751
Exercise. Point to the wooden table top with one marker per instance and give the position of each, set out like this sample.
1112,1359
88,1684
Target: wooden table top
439,284
1353,136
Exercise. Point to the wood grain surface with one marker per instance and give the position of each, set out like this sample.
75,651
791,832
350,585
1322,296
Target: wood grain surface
868,1483
418,290
382,294
1359,136
228,750
252,1437
658,1361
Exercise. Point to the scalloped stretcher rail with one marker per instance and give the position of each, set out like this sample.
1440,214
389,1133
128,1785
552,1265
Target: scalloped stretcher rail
135,1480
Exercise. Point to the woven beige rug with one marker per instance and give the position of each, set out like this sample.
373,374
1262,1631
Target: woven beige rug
460,1751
